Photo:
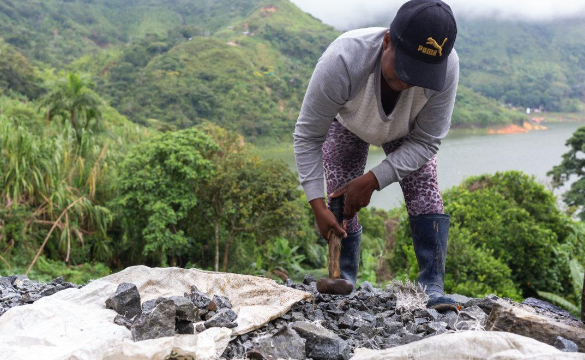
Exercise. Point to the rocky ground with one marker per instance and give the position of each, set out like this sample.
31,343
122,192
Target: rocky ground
328,327
331,327
18,290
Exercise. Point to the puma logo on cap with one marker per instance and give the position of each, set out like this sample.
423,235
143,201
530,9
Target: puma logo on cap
431,52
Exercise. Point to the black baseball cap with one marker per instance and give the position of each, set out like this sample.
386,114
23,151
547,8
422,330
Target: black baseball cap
423,33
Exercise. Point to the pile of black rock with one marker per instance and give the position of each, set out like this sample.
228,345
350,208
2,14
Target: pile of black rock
326,327
19,290
167,316
332,326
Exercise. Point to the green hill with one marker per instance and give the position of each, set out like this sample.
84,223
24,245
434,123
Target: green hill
245,64
526,64
249,76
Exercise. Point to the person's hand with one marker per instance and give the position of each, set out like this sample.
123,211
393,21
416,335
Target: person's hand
358,193
326,221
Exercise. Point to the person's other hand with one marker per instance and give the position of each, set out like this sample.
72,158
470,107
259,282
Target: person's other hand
358,193
326,221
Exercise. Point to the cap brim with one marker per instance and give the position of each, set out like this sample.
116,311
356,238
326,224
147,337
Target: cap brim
420,73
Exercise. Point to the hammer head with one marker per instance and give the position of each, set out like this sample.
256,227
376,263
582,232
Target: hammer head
334,286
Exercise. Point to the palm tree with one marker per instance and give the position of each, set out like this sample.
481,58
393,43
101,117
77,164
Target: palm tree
72,99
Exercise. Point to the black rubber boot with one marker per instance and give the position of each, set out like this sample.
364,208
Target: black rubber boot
349,259
430,233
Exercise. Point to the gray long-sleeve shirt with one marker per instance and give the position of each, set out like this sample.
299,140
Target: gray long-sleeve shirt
346,85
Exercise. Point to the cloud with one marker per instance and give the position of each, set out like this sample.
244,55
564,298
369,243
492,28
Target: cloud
349,14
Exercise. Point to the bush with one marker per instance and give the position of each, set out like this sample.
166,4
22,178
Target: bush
507,237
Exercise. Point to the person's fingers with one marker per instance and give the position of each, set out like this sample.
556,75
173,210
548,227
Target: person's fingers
344,225
342,190
348,211
339,230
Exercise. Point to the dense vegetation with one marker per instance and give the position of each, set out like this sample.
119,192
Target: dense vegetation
244,65
125,132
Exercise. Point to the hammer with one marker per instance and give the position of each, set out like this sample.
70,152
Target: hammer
334,284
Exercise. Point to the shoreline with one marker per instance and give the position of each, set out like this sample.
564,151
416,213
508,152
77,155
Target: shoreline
549,118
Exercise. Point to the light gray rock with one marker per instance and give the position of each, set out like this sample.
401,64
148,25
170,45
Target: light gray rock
486,304
474,313
460,299
436,327
322,344
541,304
450,317
517,320
565,345
285,344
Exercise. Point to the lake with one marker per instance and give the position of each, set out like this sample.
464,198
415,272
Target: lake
464,155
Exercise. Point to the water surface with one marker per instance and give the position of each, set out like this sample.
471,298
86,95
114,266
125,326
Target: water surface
461,156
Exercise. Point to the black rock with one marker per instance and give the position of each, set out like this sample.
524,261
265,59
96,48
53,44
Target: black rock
150,304
436,327
49,290
322,344
486,304
366,287
185,309
308,280
200,327
408,338
198,298
285,344
565,345
157,323
59,281
30,297
184,327
208,315
223,318
541,304
222,302
123,321
126,300
392,327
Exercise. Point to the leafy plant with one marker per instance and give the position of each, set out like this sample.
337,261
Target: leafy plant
573,306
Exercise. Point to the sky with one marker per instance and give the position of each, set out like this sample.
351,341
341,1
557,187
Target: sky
349,14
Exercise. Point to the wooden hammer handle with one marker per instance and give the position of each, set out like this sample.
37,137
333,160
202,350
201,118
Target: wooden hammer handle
336,206
334,254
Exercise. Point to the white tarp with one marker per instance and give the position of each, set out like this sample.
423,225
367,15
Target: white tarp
74,323
471,345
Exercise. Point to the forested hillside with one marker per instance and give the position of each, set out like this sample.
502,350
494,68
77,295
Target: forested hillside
526,64
245,64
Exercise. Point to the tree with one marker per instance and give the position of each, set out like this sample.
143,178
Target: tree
573,163
159,185
248,196
72,99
